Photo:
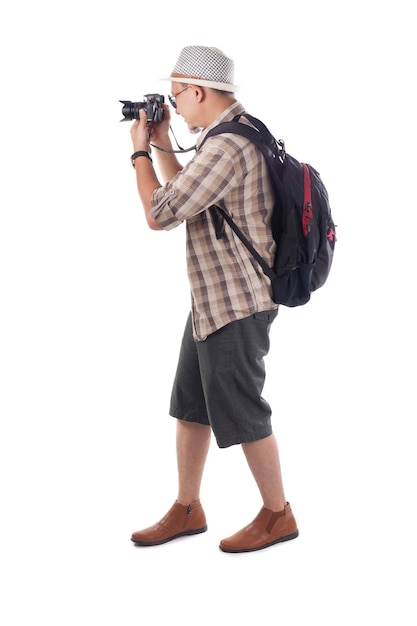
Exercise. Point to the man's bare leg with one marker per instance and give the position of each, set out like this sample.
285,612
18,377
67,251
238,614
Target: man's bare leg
193,442
186,516
263,460
275,522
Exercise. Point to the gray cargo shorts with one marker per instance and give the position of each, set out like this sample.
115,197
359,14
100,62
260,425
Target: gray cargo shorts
219,381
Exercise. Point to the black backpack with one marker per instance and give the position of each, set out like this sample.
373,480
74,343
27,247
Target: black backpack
302,224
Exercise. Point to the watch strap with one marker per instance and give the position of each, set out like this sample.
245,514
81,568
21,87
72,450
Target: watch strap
139,153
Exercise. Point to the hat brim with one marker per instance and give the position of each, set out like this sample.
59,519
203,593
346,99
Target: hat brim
202,83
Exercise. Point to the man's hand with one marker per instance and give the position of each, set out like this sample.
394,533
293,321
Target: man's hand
140,134
159,131
143,132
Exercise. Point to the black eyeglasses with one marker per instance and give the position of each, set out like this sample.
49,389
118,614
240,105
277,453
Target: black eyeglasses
173,98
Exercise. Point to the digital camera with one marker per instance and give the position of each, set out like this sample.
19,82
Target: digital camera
152,103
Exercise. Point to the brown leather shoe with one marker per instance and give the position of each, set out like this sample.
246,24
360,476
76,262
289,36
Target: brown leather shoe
179,521
266,529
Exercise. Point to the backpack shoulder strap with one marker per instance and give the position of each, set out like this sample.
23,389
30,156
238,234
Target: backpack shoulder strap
265,267
258,133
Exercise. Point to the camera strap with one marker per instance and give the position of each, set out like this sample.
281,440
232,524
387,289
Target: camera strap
174,151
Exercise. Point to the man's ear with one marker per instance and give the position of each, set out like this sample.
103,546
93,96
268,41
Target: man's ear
199,92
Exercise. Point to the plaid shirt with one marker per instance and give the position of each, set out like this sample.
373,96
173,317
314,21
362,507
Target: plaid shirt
225,280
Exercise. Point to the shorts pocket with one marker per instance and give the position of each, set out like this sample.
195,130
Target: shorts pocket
266,316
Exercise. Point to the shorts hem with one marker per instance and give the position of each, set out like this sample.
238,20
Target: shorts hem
239,440
188,417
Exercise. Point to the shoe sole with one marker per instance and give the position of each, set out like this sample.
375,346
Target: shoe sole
158,543
266,545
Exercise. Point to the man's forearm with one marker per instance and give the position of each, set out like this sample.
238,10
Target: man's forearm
167,161
147,182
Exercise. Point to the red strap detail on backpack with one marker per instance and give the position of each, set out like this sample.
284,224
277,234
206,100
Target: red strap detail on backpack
308,203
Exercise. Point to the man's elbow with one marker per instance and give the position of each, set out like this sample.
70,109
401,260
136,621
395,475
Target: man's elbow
152,223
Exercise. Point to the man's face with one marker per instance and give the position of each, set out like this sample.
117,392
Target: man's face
183,98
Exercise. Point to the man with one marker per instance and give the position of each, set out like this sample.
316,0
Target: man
220,375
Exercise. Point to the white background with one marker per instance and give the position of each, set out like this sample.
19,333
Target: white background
92,307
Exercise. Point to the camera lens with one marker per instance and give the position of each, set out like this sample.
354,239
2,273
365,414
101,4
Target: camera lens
130,110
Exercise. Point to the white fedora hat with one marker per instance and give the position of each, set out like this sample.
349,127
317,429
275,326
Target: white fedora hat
204,66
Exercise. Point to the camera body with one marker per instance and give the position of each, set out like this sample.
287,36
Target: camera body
152,103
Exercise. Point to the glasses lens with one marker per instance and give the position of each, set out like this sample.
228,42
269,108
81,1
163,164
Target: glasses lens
172,101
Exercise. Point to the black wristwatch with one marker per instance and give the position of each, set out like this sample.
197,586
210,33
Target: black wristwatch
135,155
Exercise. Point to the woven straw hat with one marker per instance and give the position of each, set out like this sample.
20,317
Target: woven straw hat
204,66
